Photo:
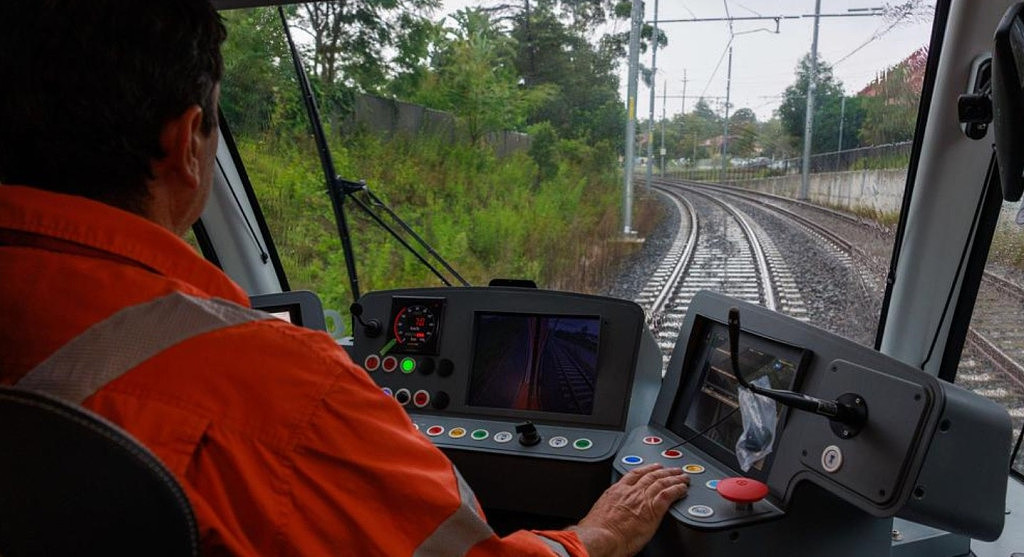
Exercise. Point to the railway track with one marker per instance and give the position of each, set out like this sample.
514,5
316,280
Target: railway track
748,265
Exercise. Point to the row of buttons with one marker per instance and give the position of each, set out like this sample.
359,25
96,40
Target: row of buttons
408,365
634,460
557,442
419,399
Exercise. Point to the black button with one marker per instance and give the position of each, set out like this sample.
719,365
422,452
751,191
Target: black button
441,400
403,396
427,366
445,367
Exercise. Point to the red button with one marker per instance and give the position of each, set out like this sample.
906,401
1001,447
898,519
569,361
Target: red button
742,490
421,399
372,362
389,364
435,430
652,440
671,453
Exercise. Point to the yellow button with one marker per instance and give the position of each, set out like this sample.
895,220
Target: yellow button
457,432
693,469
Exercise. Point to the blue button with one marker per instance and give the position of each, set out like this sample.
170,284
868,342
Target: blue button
387,391
631,460
712,484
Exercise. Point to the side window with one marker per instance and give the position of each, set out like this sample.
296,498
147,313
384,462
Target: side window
993,357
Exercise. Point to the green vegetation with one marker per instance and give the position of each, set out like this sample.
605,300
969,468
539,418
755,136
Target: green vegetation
489,217
543,213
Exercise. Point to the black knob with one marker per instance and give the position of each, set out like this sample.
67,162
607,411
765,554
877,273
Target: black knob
445,367
427,366
441,400
371,328
528,435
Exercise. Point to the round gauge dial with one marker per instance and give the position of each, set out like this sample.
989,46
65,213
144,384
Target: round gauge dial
414,326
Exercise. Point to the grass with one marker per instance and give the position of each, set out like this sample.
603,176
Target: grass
488,217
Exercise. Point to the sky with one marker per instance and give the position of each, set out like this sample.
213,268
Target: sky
763,62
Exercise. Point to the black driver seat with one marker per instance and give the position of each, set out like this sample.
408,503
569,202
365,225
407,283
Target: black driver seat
72,483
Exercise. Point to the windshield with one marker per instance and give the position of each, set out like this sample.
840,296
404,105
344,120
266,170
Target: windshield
498,132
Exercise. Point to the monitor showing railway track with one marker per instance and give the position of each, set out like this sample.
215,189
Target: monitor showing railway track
535,362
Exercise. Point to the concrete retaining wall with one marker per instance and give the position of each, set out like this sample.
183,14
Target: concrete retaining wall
879,191
391,117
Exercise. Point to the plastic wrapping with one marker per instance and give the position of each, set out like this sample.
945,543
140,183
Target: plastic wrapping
760,416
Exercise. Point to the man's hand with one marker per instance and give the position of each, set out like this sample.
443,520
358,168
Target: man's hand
624,519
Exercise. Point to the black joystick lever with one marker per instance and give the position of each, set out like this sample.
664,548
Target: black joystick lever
373,328
848,413
528,435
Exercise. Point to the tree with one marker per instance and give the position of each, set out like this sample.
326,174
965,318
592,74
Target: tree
258,70
551,52
351,38
476,79
890,114
827,107
743,133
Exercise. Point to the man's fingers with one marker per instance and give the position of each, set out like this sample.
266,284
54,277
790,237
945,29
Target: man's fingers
636,474
669,495
649,478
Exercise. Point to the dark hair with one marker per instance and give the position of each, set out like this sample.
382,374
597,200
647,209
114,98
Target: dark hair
88,86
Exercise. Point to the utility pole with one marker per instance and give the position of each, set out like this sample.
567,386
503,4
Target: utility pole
812,84
842,117
634,63
725,130
654,72
664,99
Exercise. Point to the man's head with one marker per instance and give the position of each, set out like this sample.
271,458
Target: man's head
90,87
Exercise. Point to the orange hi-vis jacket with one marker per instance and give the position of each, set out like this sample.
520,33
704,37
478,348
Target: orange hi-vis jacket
283,445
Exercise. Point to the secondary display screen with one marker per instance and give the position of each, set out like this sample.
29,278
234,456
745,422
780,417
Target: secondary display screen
543,363
713,410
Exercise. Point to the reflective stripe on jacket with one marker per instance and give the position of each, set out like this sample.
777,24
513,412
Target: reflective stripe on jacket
283,445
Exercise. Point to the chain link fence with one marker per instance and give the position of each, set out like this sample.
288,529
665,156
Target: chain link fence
877,157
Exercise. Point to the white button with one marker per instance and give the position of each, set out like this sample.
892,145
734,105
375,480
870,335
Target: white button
558,442
503,437
700,511
831,458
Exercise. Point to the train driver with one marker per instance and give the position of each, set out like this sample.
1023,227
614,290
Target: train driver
108,135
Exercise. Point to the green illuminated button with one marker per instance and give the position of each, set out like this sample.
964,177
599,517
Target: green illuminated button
408,365
479,434
582,444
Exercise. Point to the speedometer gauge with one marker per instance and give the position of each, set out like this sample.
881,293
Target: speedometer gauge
415,327
415,324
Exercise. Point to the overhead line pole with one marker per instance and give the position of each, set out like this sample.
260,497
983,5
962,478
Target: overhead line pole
812,84
725,131
634,62
654,73
664,91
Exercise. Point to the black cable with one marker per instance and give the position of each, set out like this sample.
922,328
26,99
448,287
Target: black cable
264,256
705,430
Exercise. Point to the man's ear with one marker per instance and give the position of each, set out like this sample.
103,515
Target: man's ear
181,139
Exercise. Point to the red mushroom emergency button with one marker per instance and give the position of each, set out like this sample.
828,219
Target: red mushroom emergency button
742,491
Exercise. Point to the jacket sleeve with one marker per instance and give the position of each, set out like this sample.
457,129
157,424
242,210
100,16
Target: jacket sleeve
366,482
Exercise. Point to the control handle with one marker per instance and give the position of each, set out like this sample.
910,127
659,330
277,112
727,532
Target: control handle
848,413
528,434
371,328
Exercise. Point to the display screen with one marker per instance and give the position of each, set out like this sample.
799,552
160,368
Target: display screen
543,363
713,410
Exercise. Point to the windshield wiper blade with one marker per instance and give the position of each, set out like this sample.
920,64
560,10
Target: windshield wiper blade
339,188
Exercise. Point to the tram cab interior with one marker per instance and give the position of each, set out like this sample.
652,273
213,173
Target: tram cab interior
869,450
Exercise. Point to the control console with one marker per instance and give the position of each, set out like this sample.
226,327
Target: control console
794,437
529,392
